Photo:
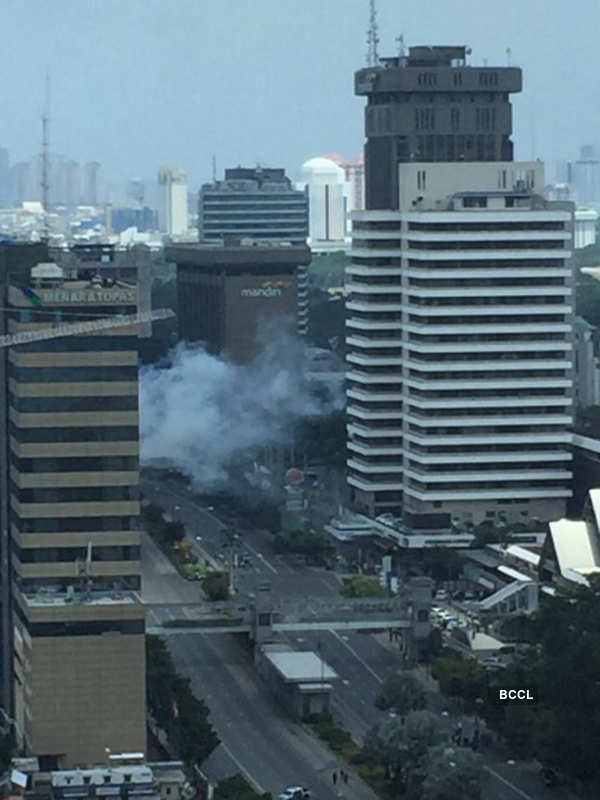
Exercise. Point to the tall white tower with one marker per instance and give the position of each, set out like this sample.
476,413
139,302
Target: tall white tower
174,206
459,315
327,199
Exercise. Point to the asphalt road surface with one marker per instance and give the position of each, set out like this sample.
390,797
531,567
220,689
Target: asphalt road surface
257,736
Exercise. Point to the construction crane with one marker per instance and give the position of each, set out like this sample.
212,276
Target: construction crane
76,328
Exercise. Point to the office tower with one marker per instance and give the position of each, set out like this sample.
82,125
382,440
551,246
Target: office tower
4,177
257,203
586,227
72,183
328,195
136,191
77,622
173,215
228,295
15,260
429,106
459,317
91,176
584,174
586,385
21,183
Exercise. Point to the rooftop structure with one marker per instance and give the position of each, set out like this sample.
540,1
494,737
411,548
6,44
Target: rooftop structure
432,106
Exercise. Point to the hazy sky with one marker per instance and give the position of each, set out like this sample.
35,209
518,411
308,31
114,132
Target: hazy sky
139,83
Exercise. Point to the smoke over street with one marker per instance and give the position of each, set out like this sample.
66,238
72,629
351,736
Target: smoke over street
202,412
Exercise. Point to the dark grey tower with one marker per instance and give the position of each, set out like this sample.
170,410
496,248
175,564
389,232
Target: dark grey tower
432,106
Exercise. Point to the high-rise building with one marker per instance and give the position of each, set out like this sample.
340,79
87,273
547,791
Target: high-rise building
584,175
72,183
328,196
459,315
430,106
21,183
72,448
4,177
257,203
227,294
91,173
173,212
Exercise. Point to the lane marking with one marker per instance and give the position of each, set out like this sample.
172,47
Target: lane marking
510,785
355,654
242,768
261,557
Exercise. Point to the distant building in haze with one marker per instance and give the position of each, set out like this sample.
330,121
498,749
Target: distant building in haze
91,176
173,212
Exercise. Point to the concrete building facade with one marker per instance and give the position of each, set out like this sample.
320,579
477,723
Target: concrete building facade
432,106
328,195
73,511
173,212
227,295
256,203
459,317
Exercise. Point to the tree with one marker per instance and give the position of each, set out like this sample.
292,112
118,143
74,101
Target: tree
216,585
363,586
183,716
174,532
459,677
237,788
453,773
401,746
402,692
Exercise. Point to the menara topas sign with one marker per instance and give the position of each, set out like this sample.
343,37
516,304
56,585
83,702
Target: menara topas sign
266,289
85,296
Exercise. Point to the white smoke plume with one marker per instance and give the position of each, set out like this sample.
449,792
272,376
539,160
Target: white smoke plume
202,412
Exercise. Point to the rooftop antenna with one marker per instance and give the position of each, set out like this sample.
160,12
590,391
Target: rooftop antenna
372,36
214,169
508,55
45,185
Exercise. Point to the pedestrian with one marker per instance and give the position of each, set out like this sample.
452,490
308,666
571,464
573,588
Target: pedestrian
346,778
334,778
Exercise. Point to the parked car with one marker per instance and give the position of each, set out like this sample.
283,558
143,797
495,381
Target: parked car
441,595
294,793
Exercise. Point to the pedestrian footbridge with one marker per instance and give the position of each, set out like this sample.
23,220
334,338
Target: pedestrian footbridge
264,614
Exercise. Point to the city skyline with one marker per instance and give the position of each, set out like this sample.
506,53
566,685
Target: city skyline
137,107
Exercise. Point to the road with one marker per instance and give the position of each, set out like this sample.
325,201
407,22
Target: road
257,736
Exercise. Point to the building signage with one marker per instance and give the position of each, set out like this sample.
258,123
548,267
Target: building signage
85,296
266,289
268,292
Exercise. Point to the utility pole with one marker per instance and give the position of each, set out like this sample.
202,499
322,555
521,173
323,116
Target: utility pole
372,36
45,185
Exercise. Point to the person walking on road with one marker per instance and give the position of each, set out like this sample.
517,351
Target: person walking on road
345,776
334,778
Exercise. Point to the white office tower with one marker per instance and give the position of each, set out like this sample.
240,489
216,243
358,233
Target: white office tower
459,317
586,225
173,212
328,193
